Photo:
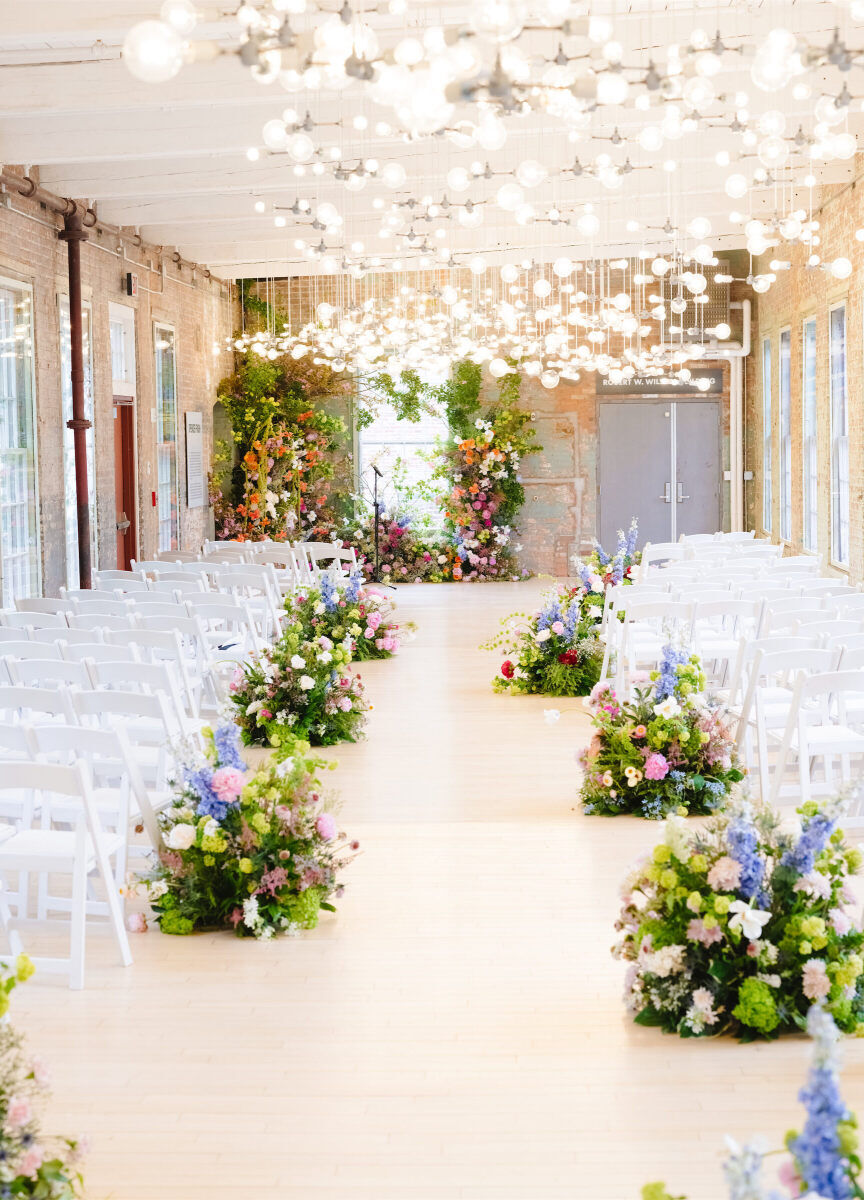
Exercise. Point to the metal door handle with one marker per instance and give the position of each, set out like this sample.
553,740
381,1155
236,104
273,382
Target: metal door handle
681,496
667,494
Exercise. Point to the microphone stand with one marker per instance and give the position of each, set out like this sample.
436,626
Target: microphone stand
376,570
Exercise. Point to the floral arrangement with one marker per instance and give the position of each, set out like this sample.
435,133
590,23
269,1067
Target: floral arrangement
741,925
341,611
285,442
486,493
553,652
601,570
259,852
823,1158
666,750
31,1164
299,687
407,553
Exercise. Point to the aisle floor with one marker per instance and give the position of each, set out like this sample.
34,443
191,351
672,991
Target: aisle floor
456,1032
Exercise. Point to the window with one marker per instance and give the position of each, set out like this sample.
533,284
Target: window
395,447
766,435
839,438
786,435
810,441
166,438
19,530
72,575
121,324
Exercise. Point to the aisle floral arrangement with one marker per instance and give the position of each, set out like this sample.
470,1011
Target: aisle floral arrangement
823,1162
259,852
666,750
31,1163
299,687
553,652
741,925
347,613
601,570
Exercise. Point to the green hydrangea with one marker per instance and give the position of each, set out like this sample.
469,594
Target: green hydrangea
303,909
172,922
756,1006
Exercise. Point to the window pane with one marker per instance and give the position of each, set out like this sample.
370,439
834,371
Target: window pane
810,445
766,435
786,434
839,440
396,448
71,500
166,439
19,546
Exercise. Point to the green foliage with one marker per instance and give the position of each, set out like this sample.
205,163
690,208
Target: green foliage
406,398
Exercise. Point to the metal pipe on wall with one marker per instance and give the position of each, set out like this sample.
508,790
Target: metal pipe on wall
73,234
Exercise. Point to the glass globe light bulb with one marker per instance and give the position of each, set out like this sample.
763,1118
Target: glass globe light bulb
841,268
180,15
509,196
736,186
153,51
531,173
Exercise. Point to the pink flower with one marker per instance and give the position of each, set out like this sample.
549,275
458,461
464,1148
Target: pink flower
656,767
228,782
725,875
136,923
326,826
41,1074
265,714
558,627
368,632
18,1112
840,922
696,932
814,979
31,1162
789,1177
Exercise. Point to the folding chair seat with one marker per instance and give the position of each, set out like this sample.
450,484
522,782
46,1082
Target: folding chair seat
82,852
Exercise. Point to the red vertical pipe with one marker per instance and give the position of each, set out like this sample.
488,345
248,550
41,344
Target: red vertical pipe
73,234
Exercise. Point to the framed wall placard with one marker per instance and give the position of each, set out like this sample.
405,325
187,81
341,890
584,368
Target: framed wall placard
194,460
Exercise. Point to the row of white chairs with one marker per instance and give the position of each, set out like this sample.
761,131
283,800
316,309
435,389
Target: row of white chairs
783,647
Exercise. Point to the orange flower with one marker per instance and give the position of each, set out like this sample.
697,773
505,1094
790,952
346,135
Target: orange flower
474,488
250,459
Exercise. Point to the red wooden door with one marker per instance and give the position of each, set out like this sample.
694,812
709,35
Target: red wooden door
124,480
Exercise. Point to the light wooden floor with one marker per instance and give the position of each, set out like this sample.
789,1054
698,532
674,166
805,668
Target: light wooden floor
457,1030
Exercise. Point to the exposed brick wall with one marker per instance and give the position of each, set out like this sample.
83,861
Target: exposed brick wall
202,314
560,513
797,294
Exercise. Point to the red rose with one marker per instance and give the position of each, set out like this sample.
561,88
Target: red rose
570,658
507,669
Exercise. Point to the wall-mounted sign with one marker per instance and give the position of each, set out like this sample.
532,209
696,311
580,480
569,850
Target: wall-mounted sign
131,284
194,460
662,385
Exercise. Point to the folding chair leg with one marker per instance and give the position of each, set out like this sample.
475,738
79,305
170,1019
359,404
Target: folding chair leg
78,926
115,908
12,935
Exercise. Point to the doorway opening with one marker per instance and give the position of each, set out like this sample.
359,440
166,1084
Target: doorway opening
124,481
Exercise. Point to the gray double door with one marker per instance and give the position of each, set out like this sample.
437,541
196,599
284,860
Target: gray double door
659,461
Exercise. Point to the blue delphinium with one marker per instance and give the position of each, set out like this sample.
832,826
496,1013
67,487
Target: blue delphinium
813,840
352,588
618,567
199,781
585,576
571,620
549,615
602,557
743,843
819,1157
632,535
743,1169
328,593
621,548
226,739
667,682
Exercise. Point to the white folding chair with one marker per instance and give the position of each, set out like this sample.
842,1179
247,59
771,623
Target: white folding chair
35,705
115,579
71,594
42,604
99,624
81,852
100,652
150,677
166,646
146,720
28,649
48,673
64,637
101,608
818,728
33,620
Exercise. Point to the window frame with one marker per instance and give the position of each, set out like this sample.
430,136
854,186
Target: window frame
160,327
784,398
767,436
836,518
809,439
8,281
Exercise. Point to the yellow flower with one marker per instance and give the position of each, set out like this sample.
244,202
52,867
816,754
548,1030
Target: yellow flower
24,967
245,865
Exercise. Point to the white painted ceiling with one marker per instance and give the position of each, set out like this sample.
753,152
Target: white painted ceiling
170,159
